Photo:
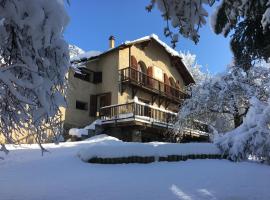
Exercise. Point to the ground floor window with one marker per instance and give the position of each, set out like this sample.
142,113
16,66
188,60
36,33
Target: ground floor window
81,105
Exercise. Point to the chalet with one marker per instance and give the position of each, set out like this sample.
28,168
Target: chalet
135,89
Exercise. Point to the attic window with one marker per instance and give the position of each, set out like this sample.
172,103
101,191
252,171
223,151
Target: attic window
85,75
89,76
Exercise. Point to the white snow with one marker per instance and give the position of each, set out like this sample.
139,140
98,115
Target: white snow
74,51
86,55
79,132
155,37
60,174
92,126
118,148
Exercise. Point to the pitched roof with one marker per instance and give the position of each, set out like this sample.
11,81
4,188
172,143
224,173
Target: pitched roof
187,76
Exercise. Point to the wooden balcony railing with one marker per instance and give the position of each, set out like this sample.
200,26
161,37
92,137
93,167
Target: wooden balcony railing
137,111
143,80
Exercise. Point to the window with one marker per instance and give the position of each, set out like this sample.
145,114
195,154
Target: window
97,77
81,105
89,76
84,75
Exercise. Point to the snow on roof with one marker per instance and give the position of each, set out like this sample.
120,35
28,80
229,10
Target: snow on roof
90,54
85,55
155,37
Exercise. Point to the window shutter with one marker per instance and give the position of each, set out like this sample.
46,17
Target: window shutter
134,63
167,83
134,68
93,105
150,74
177,85
108,98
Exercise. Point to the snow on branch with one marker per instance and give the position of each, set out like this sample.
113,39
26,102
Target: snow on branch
34,59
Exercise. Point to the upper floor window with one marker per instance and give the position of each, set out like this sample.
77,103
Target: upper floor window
89,76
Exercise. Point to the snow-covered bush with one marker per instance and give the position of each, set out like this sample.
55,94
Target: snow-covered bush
34,60
252,137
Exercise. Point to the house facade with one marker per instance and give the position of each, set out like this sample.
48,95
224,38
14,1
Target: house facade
135,89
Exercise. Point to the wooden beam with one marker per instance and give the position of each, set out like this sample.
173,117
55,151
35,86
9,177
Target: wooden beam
167,103
134,91
154,98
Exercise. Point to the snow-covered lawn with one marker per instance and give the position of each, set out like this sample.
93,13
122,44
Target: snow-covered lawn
25,174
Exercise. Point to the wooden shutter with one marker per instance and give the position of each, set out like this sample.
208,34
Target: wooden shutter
177,85
108,98
134,63
167,84
93,105
150,74
134,68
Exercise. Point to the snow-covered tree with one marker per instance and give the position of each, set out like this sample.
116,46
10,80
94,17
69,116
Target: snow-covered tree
74,51
192,65
252,138
225,96
34,60
249,20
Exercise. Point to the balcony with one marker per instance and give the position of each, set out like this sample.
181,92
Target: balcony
136,113
144,115
157,88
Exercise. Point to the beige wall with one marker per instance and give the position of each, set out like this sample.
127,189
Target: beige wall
80,90
151,55
109,64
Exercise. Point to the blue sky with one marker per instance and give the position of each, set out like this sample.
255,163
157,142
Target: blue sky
92,22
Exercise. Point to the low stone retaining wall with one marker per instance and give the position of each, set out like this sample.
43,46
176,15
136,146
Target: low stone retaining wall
150,159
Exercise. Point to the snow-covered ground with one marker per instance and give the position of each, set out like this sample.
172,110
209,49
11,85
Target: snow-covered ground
60,174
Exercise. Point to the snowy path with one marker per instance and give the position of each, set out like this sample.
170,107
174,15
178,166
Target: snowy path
24,174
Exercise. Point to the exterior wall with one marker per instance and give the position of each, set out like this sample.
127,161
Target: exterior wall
80,90
24,137
152,55
108,64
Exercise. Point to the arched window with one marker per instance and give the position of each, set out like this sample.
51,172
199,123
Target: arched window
142,73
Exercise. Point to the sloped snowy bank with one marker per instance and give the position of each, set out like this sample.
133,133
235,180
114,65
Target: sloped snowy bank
111,147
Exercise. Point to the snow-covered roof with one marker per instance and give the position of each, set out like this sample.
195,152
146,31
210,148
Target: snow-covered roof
90,54
170,50
93,54
85,56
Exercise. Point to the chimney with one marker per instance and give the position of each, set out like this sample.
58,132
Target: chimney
111,42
